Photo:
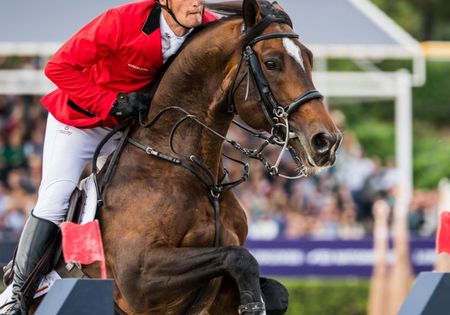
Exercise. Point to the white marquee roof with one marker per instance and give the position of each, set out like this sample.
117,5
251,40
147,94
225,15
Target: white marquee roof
347,28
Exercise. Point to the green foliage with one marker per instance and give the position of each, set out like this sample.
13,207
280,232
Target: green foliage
377,138
432,101
431,146
424,19
404,13
342,65
327,297
431,156
373,124
323,297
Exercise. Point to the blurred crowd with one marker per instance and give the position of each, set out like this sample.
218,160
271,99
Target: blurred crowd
335,203
22,127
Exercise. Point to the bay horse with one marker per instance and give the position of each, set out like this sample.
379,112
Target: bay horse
168,247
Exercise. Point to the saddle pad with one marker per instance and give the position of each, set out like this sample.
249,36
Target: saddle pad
89,208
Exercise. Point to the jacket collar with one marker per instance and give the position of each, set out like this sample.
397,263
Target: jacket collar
152,22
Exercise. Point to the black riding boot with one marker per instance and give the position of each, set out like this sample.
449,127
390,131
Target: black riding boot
36,236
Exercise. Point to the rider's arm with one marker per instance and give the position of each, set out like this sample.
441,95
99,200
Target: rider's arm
67,67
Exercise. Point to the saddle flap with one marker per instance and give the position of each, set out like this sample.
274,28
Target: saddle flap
76,202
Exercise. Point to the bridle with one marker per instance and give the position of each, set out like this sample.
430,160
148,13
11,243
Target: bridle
276,114
272,109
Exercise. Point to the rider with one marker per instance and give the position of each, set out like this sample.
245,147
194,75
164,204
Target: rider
100,73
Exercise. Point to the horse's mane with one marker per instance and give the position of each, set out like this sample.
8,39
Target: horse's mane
226,15
235,8
226,8
229,10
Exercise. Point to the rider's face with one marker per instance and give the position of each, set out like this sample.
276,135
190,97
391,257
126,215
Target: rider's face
187,12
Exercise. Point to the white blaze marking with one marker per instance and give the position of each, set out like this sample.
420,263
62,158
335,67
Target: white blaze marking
294,51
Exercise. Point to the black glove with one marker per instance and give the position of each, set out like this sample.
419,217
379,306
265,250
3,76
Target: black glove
130,105
275,296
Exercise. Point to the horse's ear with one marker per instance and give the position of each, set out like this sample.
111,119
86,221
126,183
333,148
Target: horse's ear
251,12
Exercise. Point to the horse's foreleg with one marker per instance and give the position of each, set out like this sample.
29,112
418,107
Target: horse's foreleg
168,273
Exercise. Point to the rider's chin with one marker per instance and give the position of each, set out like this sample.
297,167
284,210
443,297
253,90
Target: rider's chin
193,19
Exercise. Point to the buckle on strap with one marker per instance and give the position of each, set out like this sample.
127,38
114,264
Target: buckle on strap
252,307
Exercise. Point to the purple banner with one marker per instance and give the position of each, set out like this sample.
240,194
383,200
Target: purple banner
331,258
305,257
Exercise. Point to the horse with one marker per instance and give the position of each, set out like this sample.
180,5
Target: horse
173,232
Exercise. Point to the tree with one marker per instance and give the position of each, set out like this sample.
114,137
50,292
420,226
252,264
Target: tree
424,19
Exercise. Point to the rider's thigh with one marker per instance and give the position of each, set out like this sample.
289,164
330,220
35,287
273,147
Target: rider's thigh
67,150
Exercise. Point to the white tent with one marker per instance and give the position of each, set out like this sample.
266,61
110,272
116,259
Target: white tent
352,29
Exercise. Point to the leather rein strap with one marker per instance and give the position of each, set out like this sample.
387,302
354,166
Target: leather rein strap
124,126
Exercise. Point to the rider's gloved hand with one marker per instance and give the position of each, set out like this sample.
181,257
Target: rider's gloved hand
130,105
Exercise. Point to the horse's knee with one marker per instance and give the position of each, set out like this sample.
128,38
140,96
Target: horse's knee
240,263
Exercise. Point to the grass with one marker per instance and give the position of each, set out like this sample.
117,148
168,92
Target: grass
320,296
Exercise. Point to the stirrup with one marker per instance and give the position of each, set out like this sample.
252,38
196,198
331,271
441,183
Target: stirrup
252,307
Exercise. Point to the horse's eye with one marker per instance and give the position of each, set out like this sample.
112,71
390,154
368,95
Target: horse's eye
272,64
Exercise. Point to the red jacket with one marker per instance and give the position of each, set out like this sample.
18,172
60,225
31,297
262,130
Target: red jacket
119,51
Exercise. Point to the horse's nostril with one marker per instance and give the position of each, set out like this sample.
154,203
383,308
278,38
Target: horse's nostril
322,142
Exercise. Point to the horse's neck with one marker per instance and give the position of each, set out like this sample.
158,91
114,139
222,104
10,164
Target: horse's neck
195,82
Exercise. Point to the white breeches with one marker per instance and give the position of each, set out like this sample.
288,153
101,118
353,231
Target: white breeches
67,150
